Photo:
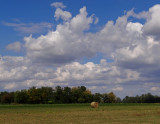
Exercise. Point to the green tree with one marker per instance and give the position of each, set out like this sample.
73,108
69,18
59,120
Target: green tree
88,97
33,95
46,94
7,98
118,100
112,97
58,95
105,98
97,97
81,95
67,95
109,97
21,97
75,94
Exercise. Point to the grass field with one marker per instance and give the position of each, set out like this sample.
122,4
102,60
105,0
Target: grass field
80,114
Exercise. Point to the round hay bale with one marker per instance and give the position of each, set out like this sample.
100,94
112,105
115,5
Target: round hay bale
94,104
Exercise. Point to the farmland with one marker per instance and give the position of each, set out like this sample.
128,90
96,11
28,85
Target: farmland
80,114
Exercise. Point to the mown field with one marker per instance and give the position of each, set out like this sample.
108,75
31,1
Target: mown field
80,114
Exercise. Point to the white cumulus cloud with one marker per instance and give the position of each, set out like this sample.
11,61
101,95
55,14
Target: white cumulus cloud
152,26
58,5
59,13
54,58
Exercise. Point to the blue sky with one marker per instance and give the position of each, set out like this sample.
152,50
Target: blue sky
104,45
40,11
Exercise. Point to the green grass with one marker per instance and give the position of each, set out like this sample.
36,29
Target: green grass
80,114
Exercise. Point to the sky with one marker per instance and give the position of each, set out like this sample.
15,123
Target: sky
107,45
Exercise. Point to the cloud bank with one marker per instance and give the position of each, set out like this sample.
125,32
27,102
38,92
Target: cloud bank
54,59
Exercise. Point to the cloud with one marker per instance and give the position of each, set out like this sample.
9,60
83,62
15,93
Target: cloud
16,46
54,59
58,5
152,26
134,27
118,89
67,43
10,86
19,72
59,13
124,41
29,28
96,20
142,53
155,89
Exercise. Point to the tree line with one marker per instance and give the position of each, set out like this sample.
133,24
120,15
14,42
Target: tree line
66,95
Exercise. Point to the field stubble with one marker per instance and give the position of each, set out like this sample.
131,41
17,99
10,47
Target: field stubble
80,114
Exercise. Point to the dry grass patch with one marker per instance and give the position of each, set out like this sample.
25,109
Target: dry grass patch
80,114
